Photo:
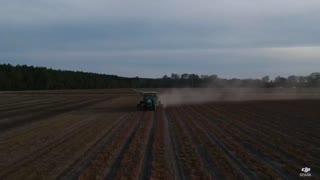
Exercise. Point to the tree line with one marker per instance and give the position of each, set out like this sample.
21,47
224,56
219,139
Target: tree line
23,77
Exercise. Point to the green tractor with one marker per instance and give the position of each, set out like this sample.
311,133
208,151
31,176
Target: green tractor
149,101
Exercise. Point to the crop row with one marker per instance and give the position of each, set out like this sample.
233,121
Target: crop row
190,160
51,159
132,163
264,135
247,160
256,142
105,160
225,143
43,112
20,101
160,164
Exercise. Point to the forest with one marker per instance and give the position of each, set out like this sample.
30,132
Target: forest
23,77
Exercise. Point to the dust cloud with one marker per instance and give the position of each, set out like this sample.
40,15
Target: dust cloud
204,95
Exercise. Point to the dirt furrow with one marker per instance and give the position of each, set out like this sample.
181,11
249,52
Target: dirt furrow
275,124
208,163
29,143
22,105
191,162
55,160
234,134
45,149
285,151
203,146
34,108
109,156
79,165
273,131
238,156
131,163
22,120
224,165
160,164
172,149
148,157
8,100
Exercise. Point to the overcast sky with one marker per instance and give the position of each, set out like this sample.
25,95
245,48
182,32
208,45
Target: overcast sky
148,38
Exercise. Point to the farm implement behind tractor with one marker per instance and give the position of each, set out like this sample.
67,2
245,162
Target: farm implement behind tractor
149,100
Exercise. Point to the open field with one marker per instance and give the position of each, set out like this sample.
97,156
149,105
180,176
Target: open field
99,134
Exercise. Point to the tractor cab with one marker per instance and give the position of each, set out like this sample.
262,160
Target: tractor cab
149,101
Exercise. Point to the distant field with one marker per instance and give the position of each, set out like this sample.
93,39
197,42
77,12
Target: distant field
198,133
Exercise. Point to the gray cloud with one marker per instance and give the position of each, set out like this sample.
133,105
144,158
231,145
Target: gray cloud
150,38
249,62
178,10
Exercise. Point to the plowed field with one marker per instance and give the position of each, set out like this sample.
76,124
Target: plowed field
102,136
